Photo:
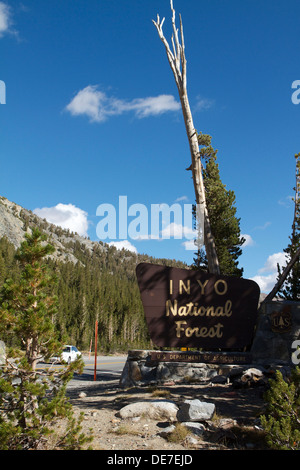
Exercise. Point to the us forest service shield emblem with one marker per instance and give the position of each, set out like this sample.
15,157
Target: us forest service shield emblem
281,321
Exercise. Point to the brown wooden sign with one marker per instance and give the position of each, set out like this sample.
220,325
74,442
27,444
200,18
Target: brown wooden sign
187,308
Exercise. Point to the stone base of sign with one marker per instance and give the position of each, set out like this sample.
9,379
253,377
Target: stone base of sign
277,328
146,367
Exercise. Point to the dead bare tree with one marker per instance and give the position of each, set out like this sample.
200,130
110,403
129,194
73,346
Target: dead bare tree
296,255
177,61
283,277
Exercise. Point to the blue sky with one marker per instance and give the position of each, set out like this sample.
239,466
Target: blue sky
92,113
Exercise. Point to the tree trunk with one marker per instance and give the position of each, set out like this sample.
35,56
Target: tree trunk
294,258
177,63
283,277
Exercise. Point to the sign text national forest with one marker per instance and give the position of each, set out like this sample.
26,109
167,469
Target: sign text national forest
187,308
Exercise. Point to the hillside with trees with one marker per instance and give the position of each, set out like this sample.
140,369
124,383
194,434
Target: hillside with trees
95,281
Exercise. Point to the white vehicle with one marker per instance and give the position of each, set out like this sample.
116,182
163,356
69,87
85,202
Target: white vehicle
69,354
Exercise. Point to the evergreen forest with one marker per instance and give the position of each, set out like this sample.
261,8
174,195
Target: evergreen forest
101,286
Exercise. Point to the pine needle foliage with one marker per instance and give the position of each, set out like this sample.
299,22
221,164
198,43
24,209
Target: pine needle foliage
281,422
31,401
225,225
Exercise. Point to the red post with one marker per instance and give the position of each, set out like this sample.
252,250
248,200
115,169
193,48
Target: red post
96,336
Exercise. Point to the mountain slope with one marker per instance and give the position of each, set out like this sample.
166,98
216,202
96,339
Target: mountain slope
95,281
15,221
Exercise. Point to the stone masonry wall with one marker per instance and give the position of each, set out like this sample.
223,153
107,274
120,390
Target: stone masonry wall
277,328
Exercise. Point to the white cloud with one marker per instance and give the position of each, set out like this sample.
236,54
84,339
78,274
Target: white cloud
267,275
203,104
266,283
5,18
124,244
178,231
286,202
173,230
272,261
98,106
248,240
263,227
153,106
66,216
90,102
147,237
190,245
182,198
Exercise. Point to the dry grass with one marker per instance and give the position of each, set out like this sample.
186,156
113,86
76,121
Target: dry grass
125,430
161,393
179,434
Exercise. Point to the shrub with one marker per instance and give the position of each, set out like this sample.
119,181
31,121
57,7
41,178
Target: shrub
281,422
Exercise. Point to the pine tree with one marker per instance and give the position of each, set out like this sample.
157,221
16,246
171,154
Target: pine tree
31,400
7,261
281,421
291,287
222,214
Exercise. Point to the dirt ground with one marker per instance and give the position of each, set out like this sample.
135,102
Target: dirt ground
234,426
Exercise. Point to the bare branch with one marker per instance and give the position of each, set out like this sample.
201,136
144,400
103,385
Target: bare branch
177,63
282,277
182,58
171,57
177,44
173,44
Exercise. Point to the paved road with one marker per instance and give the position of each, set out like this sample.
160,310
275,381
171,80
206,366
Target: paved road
107,368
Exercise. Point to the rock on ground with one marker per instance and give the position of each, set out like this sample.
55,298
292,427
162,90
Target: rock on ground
195,410
153,409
